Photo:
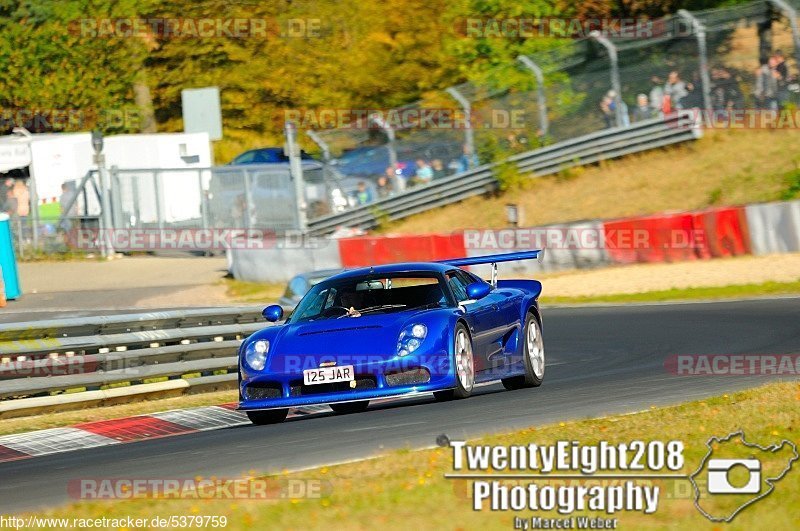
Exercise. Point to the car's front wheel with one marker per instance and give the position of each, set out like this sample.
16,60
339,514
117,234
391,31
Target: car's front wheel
464,365
343,408
269,416
533,357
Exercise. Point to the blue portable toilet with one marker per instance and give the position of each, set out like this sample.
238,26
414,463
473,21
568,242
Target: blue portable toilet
8,262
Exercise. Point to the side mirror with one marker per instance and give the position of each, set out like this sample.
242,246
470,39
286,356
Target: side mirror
272,313
478,290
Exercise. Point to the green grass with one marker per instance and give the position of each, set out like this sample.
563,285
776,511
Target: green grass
678,294
242,291
407,489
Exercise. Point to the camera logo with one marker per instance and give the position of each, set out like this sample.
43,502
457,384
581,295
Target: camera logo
720,469
735,474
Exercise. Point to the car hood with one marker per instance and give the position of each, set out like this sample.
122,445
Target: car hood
368,334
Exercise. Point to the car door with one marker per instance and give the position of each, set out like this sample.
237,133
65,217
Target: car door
480,316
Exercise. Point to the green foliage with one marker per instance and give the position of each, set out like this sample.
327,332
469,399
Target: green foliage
49,64
792,190
352,54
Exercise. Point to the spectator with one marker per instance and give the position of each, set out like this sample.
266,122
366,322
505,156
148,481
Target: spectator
363,194
67,196
675,89
424,171
10,204
22,197
395,177
766,91
607,108
693,98
777,64
467,160
384,187
6,185
656,95
780,64
439,170
725,93
643,110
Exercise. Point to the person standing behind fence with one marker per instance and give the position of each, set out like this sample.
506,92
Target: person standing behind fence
607,108
643,111
675,89
23,198
363,194
424,172
467,160
384,187
5,187
68,194
656,95
766,91
439,170
781,72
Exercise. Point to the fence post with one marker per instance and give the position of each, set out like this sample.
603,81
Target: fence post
106,248
469,134
159,206
296,169
700,32
203,202
790,13
248,200
389,130
544,125
615,84
116,197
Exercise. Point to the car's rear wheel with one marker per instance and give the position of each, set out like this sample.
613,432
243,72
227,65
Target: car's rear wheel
269,416
350,407
533,357
464,366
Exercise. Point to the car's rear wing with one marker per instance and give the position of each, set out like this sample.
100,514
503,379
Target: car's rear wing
494,259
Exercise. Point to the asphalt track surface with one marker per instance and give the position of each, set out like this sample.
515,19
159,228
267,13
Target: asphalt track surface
601,360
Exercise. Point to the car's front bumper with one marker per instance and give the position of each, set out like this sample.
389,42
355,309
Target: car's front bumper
374,379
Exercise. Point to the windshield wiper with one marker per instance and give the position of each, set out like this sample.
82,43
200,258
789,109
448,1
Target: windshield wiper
374,309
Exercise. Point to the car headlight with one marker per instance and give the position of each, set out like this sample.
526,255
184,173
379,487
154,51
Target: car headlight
411,338
256,354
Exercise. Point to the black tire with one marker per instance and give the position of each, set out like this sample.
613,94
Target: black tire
530,378
464,369
344,408
269,416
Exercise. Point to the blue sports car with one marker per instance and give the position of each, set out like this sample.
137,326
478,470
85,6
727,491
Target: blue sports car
396,329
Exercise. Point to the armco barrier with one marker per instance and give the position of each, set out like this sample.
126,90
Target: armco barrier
721,232
774,227
659,238
364,251
68,363
285,260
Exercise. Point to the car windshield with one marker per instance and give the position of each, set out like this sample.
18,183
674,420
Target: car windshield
370,294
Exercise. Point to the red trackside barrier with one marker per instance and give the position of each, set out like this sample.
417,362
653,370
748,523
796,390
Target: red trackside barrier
378,250
721,232
658,238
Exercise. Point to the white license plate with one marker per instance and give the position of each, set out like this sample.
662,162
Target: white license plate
328,375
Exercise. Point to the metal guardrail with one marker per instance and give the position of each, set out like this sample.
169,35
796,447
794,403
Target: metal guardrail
52,359
594,147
